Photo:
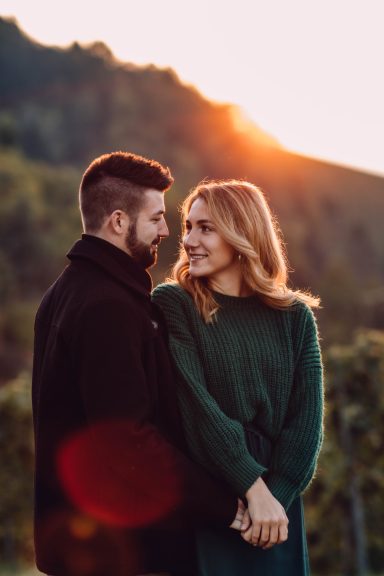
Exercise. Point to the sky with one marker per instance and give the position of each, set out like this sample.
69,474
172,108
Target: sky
309,72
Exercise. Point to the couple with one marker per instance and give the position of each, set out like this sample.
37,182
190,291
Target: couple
148,413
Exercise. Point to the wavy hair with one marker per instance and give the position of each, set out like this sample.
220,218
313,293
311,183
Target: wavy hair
244,220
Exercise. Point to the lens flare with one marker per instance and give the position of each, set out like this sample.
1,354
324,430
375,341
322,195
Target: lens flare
72,543
120,473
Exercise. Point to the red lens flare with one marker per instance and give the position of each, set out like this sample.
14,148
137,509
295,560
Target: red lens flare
120,473
72,543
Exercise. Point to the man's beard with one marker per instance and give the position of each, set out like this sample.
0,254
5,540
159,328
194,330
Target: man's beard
140,251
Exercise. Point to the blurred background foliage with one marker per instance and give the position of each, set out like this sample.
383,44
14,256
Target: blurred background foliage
60,108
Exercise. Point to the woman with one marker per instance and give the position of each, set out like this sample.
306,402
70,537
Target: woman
246,351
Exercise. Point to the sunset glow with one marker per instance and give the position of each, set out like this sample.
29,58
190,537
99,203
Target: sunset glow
309,73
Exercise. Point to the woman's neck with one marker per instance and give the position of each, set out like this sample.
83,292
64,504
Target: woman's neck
230,287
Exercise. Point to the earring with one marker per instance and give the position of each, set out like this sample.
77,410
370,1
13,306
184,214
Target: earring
239,257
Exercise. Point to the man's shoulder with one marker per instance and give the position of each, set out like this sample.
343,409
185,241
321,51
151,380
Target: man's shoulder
94,285
78,293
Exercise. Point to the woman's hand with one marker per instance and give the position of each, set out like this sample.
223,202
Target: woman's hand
269,520
241,518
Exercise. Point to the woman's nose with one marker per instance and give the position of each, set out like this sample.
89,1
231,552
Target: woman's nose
190,239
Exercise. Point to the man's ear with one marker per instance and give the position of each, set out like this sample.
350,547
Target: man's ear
119,222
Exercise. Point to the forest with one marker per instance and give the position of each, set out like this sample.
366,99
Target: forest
59,109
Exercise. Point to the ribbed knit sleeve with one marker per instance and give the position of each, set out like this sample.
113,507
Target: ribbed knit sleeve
215,440
299,442
254,365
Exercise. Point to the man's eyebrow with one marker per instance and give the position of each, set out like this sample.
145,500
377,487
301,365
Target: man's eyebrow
158,213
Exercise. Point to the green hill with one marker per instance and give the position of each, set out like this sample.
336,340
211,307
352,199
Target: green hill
59,108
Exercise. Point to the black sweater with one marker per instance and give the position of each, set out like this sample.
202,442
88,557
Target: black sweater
107,430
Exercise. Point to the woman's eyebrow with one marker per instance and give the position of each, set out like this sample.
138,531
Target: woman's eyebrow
203,221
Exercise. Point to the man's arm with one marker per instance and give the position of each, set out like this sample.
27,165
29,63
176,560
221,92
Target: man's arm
113,385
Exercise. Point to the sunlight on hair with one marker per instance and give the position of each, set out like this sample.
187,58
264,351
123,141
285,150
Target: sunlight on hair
244,220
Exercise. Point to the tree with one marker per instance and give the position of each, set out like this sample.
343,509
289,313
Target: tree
16,471
345,507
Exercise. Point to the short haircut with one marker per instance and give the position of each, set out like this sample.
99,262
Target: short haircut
117,181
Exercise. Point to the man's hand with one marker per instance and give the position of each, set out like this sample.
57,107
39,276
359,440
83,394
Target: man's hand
269,520
241,519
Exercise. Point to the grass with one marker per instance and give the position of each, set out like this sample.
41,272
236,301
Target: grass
19,572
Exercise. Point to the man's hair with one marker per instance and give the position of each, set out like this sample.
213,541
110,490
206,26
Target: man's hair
117,181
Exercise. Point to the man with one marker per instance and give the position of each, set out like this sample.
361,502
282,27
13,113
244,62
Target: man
114,494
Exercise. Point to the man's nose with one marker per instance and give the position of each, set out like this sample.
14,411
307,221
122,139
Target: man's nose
164,231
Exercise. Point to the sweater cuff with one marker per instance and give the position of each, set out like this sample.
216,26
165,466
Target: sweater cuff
283,490
243,472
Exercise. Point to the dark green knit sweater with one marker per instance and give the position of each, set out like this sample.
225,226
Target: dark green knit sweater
253,363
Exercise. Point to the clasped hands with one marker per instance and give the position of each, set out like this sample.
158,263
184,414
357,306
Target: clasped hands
264,523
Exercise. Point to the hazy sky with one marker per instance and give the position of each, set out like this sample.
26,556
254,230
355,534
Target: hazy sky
310,72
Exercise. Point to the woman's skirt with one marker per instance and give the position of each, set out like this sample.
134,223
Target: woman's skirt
222,552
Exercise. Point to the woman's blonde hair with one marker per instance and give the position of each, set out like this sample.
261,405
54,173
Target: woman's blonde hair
244,220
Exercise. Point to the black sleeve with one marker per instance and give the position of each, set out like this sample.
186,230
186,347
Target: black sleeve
117,403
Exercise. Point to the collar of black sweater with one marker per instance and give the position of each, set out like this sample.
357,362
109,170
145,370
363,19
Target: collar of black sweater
114,261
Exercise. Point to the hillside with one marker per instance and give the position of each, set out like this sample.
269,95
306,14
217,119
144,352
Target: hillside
59,108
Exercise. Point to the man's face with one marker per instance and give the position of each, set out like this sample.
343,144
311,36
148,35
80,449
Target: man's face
145,233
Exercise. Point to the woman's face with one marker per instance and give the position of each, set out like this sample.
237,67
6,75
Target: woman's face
208,253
